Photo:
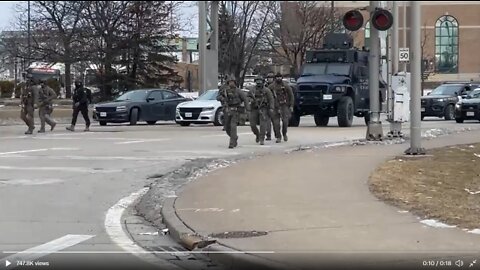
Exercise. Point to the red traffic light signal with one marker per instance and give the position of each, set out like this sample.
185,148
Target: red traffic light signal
353,20
382,19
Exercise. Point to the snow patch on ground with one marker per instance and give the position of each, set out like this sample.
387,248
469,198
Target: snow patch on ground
436,224
475,231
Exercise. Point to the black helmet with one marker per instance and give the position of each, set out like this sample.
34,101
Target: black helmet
78,83
278,75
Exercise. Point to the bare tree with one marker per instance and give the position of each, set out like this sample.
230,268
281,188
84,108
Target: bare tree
298,26
243,24
55,28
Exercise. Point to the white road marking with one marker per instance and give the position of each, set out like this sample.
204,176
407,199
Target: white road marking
23,151
144,141
113,226
30,182
200,152
37,252
67,169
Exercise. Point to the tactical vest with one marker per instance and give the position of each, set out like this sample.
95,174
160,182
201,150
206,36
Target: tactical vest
233,98
261,99
281,94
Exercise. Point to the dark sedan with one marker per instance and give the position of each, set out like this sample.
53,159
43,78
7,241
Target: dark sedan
149,105
441,101
469,107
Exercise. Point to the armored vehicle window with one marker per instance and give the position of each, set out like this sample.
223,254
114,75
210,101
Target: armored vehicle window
326,68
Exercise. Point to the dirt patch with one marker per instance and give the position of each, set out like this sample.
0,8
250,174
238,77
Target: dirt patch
442,186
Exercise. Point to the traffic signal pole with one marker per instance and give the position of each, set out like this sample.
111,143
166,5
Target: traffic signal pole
374,130
416,83
208,57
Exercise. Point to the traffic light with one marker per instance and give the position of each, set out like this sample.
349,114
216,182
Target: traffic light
353,20
381,19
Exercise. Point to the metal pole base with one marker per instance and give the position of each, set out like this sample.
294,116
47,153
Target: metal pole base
374,131
395,130
415,151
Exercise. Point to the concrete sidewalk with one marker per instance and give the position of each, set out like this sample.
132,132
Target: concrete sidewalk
317,211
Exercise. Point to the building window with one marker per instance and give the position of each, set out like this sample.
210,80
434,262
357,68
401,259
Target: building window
367,35
446,44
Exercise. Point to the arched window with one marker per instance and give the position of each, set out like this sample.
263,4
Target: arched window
446,44
367,34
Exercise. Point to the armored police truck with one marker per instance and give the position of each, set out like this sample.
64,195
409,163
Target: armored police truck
334,82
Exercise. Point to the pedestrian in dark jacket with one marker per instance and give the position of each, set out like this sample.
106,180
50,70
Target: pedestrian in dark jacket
80,104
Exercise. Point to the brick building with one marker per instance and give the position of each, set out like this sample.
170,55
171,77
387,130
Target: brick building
450,34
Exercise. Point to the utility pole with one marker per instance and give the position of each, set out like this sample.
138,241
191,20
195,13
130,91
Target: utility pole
208,62
374,131
416,83
28,36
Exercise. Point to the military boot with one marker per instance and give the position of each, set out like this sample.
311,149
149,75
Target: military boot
279,140
262,142
269,137
87,128
42,130
53,126
71,128
285,138
29,131
257,139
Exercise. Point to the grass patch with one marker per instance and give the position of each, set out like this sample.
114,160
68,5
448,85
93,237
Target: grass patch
438,187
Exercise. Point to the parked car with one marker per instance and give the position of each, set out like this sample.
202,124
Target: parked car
149,105
204,110
469,107
441,101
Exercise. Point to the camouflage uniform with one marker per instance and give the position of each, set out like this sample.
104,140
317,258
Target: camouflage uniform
284,101
270,78
262,105
232,97
28,99
45,107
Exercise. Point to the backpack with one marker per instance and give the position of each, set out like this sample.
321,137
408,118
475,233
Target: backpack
89,95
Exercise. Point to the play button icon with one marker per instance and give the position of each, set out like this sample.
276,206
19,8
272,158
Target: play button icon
7,263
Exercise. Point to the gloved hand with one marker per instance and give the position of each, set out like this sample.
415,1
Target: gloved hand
76,104
291,109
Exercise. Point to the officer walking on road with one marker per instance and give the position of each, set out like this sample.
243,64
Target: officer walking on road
269,81
262,106
28,103
80,104
45,106
233,97
284,101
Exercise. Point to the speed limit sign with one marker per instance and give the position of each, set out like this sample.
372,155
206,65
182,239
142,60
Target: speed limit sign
403,54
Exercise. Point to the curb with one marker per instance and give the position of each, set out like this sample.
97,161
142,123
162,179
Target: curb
227,256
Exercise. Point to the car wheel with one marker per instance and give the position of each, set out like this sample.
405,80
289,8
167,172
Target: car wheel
151,122
218,121
103,123
450,112
345,112
459,120
294,120
133,116
184,124
321,120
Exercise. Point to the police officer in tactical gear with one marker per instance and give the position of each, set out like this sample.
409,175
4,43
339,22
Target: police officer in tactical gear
284,101
45,106
28,102
261,107
232,97
80,104
269,81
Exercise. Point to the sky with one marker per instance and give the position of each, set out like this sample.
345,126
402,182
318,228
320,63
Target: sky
189,13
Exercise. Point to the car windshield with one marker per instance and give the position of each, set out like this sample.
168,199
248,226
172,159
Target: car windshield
209,95
475,93
139,95
446,89
341,69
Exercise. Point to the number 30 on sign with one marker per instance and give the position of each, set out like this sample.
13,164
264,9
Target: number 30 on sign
403,54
